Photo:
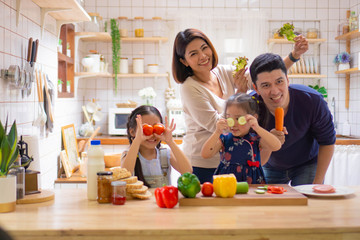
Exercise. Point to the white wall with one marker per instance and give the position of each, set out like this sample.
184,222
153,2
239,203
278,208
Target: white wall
13,44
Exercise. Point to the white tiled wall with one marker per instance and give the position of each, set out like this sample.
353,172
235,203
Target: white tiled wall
13,46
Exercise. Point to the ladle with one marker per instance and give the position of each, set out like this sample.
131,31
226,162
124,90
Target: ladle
41,119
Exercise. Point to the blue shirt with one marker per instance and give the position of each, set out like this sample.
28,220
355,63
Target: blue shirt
309,124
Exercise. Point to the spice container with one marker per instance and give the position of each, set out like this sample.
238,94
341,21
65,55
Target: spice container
138,65
104,179
19,172
118,194
124,66
153,68
298,31
275,34
123,26
93,25
312,33
138,25
157,27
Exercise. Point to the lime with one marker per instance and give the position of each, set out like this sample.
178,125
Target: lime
242,120
242,187
259,191
230,122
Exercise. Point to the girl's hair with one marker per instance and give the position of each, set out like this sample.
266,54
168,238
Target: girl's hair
132,124
182,39
251,105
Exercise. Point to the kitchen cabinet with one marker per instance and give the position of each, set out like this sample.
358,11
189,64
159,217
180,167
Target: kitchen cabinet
66,63
316,42
106,37
348,37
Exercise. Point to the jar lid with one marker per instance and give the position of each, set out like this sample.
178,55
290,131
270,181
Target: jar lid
138,17
118,183
156,18
104,173
152,64
93,51
312,30
124,58
94,14
138,58
122,17
95,142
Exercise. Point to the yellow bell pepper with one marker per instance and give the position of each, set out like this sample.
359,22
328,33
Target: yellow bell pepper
224,185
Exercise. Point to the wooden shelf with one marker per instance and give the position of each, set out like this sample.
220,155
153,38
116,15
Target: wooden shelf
285,41
349,35
106,37
348,71
64,58
306,76
129,75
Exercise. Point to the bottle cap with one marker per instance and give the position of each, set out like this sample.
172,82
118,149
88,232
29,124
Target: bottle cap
104,173
95,142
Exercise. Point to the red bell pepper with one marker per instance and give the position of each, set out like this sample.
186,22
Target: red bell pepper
166,197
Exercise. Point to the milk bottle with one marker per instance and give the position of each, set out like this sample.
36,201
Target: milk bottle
95,163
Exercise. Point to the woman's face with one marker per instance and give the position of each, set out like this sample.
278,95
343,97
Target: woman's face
198,56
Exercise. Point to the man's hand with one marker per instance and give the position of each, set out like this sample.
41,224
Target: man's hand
280,134
301,46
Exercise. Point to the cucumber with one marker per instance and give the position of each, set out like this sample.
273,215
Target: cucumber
263,187
260,191
242,187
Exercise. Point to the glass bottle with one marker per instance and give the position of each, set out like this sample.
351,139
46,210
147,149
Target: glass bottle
93,25
138,26
104,179
19,172
118,195
123,26
157,27
95,164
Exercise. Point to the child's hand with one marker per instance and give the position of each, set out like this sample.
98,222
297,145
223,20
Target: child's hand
167,134
139,129
252,121
221,125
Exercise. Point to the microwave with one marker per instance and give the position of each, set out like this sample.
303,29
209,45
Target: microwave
117,121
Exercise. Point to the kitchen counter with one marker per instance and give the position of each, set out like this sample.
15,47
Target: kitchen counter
72,216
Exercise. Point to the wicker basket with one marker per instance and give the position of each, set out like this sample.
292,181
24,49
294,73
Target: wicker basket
129,104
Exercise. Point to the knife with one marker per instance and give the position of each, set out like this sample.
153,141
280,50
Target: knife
33,53
36,50
29,50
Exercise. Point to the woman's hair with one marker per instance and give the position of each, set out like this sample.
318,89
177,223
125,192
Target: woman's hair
179,70
132,124
251,105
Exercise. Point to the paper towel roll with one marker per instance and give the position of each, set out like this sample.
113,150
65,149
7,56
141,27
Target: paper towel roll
33,151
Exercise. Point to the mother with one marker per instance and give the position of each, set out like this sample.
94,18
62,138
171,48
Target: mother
205,86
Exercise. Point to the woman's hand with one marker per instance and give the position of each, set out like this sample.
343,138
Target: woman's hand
241,81
300,47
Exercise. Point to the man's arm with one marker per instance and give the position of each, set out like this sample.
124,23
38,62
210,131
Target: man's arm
324,157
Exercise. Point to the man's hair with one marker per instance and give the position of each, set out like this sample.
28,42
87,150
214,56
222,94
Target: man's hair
266,62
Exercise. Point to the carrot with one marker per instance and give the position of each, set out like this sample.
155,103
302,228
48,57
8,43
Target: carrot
279,118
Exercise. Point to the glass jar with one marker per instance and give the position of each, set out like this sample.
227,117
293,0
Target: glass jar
275,34
157,27
124,66
298,31
312,33
118,193
123,26
138,65
19,172
138,26
153,68
104,179
93,25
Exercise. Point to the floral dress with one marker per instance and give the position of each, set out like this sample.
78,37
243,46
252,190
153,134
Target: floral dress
241,156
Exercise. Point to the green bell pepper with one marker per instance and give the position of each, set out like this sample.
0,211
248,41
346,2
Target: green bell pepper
189,185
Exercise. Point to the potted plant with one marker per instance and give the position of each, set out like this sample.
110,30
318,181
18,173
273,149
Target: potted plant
321,90
342,60
148,94
115,37
9,152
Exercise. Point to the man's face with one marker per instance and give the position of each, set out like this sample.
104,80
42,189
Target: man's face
273,88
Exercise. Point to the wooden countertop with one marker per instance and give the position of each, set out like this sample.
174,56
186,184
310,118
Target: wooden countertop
72,216
122,140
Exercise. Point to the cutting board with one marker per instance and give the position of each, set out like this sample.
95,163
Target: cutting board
43,196
291,197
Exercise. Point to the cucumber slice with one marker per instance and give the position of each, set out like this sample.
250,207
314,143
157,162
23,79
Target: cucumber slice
242,120
263,187
230,122
260,191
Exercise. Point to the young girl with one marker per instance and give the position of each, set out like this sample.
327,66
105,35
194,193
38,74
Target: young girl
240,149
145,158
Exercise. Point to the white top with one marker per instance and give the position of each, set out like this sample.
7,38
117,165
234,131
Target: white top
153,167
202,109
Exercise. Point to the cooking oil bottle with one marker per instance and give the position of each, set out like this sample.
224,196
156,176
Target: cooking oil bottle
95,164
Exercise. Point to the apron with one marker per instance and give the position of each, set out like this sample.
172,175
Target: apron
156,181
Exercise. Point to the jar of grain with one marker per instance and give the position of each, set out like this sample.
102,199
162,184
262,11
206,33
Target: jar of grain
104,179
123,26
312,33
138,25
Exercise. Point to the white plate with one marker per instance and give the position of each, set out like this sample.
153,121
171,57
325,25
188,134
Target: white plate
311,64
307,67
302,65
340,191
316,69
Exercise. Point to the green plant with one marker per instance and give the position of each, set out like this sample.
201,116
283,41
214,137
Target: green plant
115,37
321,90
9,149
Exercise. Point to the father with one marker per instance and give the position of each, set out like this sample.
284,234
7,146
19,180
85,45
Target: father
308,137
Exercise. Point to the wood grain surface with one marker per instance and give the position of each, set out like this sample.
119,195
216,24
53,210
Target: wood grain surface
291,197
72,216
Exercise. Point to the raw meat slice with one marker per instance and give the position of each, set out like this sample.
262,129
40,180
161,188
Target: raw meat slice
324,189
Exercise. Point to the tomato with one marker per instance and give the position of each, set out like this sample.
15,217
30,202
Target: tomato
159,128
207,189
148,129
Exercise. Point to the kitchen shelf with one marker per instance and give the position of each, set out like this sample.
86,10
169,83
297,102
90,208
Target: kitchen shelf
306,76
64,58
128,75
285,41
64,11
348,37
106,37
